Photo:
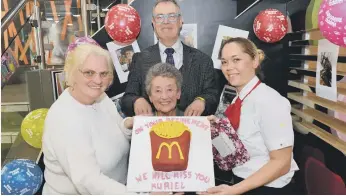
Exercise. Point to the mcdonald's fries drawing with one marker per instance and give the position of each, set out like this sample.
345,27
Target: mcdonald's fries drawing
170,145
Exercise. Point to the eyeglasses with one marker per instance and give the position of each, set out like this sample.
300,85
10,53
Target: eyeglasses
90,74
160,18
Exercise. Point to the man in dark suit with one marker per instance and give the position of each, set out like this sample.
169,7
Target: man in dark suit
199,90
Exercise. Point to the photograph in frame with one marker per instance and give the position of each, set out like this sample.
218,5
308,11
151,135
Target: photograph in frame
188,35
223,34
122,57
60,82
55,85
327,59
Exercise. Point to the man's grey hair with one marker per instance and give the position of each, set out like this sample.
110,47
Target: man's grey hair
162,1
164,70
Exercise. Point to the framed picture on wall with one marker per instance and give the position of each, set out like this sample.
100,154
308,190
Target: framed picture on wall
327,59
58,83
122,57
223,34
188,35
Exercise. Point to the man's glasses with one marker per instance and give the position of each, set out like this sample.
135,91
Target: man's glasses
160,18
90,74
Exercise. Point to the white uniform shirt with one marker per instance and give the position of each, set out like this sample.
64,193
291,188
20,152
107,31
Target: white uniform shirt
177,55
85,148
265,125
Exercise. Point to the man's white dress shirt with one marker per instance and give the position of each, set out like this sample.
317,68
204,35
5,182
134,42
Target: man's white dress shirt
177,55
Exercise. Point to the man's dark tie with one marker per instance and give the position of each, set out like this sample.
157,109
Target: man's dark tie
169,59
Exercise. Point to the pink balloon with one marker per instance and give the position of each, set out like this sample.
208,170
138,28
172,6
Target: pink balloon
332,21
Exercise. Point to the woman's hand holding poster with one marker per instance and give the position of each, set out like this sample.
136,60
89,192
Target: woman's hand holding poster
170,154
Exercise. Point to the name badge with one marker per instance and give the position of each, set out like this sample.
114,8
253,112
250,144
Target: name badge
223,145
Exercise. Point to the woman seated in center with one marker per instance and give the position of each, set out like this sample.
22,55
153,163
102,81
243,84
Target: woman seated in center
163,86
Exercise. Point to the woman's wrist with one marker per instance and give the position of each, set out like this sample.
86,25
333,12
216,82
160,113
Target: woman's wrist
243,186
200,98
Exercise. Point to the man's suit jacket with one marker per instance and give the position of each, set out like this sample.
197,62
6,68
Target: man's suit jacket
198,79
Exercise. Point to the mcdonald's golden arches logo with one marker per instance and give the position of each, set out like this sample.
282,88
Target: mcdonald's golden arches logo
169,147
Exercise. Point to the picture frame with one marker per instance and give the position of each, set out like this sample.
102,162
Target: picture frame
223,34
122,57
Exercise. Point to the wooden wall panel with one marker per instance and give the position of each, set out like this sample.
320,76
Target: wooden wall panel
303,55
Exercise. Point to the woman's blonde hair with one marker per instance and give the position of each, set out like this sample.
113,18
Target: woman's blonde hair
249,48
75,60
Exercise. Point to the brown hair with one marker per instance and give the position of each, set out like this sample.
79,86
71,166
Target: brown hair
249,48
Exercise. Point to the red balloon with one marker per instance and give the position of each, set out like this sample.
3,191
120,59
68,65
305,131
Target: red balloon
123,23
270,25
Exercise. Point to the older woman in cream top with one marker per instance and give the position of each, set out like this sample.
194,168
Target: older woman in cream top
85,146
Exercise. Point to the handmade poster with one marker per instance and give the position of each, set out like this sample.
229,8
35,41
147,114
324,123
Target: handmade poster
170,154
188,35
222,35
327,59
122,57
